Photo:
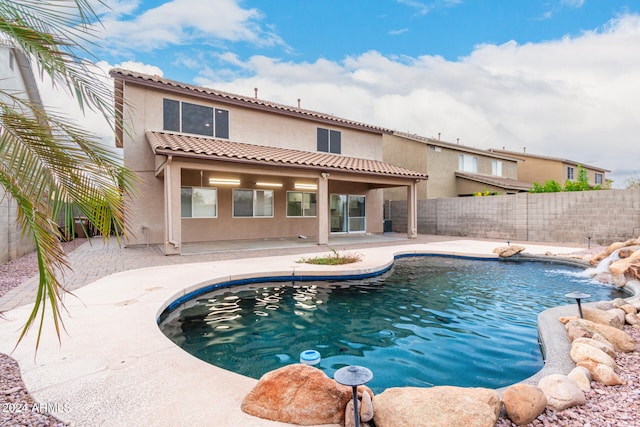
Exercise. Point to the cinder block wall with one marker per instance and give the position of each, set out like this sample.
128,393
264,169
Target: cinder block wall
572,217
12,246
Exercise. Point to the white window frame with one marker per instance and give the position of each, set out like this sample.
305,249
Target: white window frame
496,167
570,173
254,202
467,163
194,211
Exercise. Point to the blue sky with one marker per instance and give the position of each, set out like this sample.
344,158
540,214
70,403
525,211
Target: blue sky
559,77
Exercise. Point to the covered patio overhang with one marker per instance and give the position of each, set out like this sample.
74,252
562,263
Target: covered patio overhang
255,164
475,182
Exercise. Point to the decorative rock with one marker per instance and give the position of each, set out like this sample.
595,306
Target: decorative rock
600,345
298,394
620,313
365,409
561,391
507,251
523,403
605,305
629,309
574,331
565,319
604,317
632,318
602,373
619,339
436,407
582,377
581,352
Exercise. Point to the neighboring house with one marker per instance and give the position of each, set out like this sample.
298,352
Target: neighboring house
533,168
17,79
218,166
454,170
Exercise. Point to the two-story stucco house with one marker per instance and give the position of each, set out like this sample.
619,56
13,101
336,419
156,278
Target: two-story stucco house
218,166
535,168
454,170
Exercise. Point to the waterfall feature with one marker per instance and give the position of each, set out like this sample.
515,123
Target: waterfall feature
601,271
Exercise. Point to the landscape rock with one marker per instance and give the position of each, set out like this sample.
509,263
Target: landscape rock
523,403
602,373
608,317
582,377
581,352
629,309
618,338
436,407
561,391
298,394
603,345
507,251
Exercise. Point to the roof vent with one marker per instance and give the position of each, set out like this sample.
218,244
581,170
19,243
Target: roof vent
255,92
298,102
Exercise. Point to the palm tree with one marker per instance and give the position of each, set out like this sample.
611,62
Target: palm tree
51,167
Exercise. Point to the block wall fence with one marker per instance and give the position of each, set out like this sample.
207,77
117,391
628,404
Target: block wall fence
12,245
605,216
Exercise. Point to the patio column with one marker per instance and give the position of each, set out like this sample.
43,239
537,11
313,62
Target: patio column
412,211
323,209
172,220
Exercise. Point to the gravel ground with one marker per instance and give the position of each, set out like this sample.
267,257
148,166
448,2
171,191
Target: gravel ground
617,406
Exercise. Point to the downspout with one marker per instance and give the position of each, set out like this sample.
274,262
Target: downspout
169,203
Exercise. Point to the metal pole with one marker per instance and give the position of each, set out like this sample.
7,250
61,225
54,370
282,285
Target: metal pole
579,308
355,406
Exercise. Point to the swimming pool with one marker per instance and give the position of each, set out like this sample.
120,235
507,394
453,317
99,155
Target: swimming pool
428,321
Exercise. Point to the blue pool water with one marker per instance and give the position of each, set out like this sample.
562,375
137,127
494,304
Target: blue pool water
428,321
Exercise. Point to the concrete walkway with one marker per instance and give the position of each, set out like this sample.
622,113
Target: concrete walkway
114,367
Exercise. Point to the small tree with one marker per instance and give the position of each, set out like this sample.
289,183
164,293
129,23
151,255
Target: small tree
633,183
550,186
580,184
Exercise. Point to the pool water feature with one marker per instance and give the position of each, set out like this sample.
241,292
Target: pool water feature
428,321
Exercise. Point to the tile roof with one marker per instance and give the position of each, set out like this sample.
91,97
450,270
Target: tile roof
245,101
506,183
214,149
524,156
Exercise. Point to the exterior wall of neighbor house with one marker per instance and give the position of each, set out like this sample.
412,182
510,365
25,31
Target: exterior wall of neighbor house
12,244
143,110
440,162
540,169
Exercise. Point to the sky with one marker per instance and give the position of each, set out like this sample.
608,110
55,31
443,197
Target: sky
558,78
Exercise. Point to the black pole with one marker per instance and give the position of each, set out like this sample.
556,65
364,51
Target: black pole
356,421
579,308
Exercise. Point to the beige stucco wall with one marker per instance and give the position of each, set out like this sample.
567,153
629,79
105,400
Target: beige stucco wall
440,164
535,169
146,212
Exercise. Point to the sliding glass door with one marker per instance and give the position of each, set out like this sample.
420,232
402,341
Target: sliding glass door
347,213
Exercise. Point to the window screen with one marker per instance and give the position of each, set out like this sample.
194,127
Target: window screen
222,123
171,114
197,119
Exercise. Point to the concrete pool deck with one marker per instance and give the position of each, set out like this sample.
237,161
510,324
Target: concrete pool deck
115,367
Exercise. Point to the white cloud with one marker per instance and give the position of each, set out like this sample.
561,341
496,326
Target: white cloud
174,22
573,98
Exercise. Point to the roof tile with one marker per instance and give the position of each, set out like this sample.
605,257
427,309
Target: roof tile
216,149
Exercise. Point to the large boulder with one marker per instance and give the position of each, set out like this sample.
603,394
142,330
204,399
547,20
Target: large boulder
298,394
581,352
436,407
523,403
605,317
561,391
620,340
507,251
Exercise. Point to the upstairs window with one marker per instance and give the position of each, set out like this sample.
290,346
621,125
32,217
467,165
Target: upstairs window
569,172
496,167
467,163
329,141
196,119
